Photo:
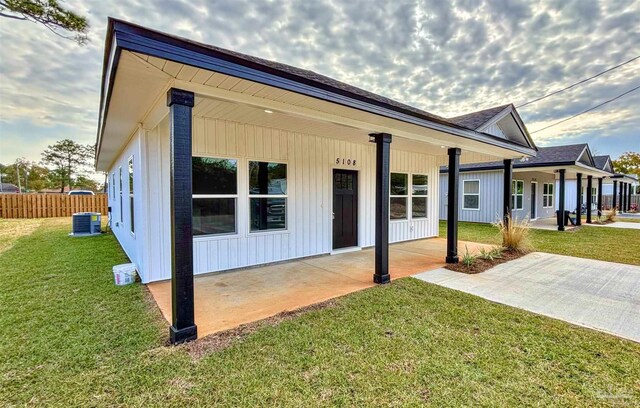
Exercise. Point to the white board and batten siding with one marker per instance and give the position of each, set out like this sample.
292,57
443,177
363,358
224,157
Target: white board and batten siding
310,162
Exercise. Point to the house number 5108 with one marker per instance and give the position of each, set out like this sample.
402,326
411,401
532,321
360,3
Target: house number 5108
348,162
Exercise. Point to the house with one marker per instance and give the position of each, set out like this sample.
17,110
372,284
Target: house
537,185
8,188
219,160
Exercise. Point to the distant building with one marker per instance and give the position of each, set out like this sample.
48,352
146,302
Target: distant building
8,188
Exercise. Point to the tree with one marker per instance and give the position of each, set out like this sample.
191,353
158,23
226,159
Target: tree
50,14
25,174
627,163
67,159
86,183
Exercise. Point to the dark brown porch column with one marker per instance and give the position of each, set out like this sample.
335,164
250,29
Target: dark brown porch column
615,194
621,205
589,198
383,157
507,185
600,179
560,217
452,205
579,199
629,198
183,326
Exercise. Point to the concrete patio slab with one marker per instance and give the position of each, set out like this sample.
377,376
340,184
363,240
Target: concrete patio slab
229,299
596,294
550,224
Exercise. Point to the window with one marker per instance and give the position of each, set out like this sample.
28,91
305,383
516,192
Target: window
419,193
267,196
547,195
594,196
215,193
399,192
471,194
517,194
120,191
131,218
113,185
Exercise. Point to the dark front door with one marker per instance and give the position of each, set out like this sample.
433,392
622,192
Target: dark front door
345,208
533,200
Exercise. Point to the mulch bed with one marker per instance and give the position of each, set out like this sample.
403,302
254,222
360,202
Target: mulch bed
480,265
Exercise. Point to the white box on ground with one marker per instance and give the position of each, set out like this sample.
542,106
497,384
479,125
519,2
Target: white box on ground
124,274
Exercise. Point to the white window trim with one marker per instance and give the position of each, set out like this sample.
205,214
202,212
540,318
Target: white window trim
550,197
120,195
515,195
250,196
405,196
131,195
236,233
412,196
471,194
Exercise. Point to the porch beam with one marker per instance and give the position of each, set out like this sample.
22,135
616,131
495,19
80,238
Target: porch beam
578,199
589,198
614,204
600,179
507,190
452,205
560,217
383,160
183,326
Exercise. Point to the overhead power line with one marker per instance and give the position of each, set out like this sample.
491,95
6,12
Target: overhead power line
577,83
588,110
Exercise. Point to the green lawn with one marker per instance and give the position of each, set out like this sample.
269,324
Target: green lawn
72,338
606,244
628,219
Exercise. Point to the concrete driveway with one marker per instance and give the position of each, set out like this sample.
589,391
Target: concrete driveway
596,294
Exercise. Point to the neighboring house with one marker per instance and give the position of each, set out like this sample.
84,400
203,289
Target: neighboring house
8,188
535,187
219,160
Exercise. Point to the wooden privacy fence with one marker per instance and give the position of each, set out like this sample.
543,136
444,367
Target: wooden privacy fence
50,205
607,200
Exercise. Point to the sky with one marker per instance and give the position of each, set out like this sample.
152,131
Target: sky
446,57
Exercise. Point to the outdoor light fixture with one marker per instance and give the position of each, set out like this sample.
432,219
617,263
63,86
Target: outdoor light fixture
268,111
372,138
443,146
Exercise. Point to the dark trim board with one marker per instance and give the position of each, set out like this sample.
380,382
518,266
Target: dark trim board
123,35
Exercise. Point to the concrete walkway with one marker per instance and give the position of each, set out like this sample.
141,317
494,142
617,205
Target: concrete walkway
596,294
618,224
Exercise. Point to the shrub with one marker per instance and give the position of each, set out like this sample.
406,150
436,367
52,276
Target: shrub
515,234
490,254
611,215
468,259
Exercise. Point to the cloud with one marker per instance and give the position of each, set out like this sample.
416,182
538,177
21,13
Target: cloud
448,58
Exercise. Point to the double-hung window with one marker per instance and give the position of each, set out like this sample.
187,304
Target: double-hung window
547,195
131,218
594,196
113,186
399,193
215,194
419,195
267,196
517,195
471,194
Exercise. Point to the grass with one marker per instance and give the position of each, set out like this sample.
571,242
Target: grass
623,219
601,242
72,338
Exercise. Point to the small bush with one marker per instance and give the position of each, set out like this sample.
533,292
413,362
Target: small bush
515,234
490,254
611,215
468,259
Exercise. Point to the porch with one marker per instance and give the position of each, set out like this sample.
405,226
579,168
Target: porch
229,299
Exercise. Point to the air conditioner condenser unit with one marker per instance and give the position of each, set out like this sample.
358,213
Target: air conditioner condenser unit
85,224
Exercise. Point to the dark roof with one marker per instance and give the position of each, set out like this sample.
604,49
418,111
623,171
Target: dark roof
474,120
567,154
601,161
127,36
